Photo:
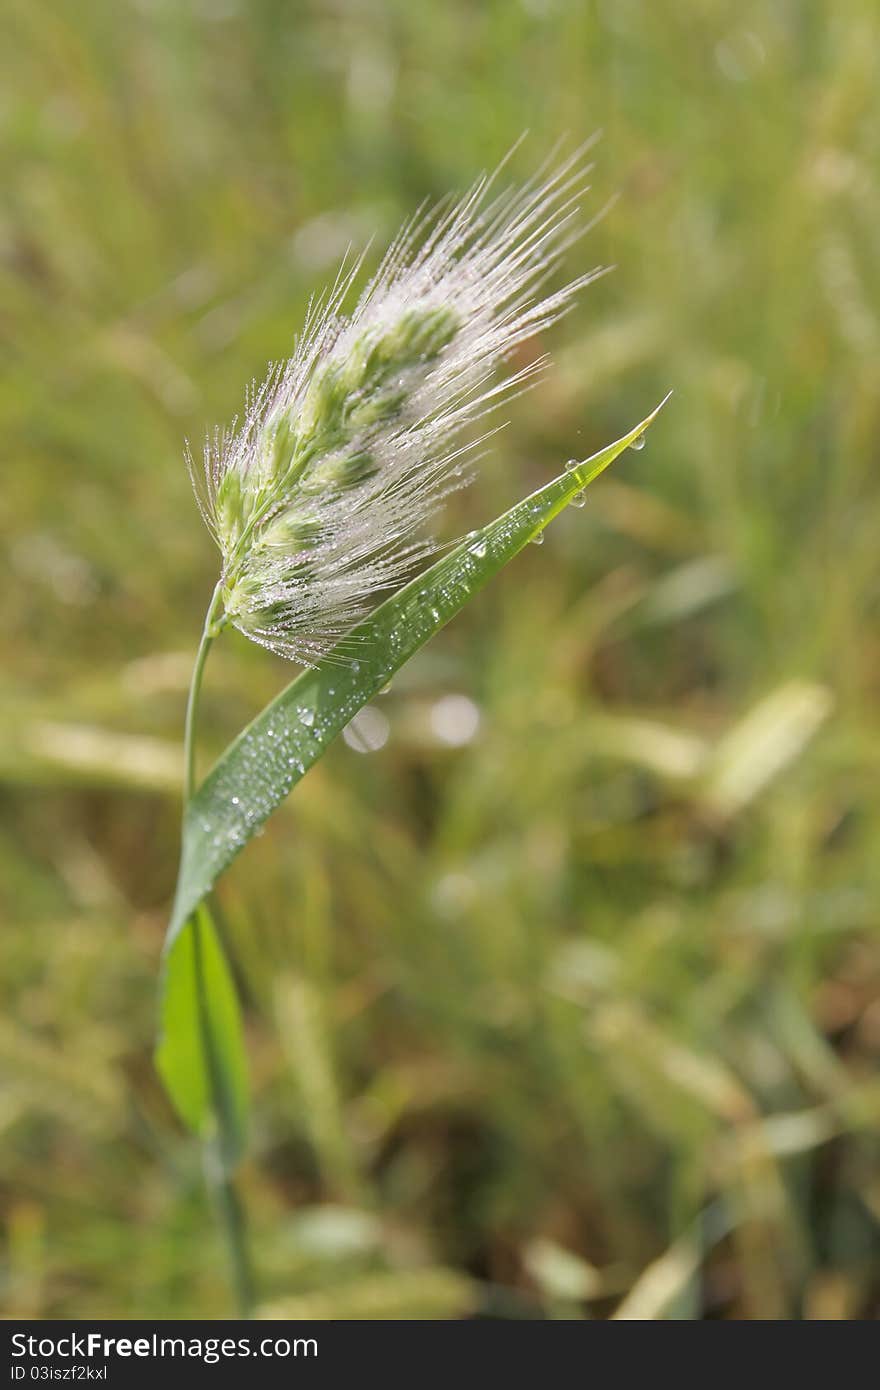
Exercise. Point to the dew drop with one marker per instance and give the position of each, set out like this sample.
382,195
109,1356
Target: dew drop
479,549
235,801
385,689
572,464
579,500
538,538
638,442
307,717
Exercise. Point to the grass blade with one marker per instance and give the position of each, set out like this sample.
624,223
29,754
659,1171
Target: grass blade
259,770
201,1056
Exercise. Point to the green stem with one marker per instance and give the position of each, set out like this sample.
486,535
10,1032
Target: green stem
209,632
229,1209
234,1223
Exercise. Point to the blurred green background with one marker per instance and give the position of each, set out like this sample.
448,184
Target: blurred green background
564,1002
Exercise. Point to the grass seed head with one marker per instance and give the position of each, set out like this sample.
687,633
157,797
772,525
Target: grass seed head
320,500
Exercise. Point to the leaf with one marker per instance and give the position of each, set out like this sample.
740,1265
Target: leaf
662,1289
200,1055
431,1293
263,765
763,743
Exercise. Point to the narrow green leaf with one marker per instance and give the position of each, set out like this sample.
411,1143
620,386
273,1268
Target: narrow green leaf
261,767
200,1055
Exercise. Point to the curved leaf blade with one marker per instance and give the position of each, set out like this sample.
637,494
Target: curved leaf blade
201,1056
263,765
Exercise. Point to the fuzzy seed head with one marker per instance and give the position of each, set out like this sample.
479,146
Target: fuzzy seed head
320,500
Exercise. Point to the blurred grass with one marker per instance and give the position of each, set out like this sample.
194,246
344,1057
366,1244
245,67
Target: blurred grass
580,1016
